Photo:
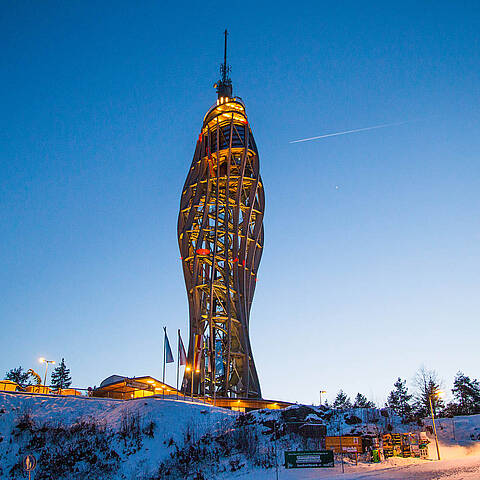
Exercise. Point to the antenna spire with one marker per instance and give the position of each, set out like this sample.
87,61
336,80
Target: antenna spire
224,85
224,78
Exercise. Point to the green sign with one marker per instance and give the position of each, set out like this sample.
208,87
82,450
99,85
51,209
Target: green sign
309,459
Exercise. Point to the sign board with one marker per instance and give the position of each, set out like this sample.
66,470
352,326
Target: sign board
309,459
338,444
350,449
138,385
29,463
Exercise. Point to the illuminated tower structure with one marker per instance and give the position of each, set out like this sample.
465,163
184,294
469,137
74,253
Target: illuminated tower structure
220,235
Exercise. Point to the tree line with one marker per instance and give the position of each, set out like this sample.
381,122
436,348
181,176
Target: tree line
60,376
427,386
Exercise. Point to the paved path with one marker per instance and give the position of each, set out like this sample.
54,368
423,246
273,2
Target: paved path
466,468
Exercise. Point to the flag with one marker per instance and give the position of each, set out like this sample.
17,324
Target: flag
218,357
168,350
209,365
182,356
208,357
197,355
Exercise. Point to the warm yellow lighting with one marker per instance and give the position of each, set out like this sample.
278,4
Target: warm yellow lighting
44,360
150,381
197,371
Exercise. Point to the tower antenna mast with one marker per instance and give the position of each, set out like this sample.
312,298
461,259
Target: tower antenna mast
225,59
224,85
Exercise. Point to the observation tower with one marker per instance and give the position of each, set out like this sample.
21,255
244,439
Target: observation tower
220,235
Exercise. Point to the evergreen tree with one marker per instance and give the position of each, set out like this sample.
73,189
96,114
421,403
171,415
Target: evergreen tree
428,385
467,394
342,401
399,399
362,402
61,376
18,375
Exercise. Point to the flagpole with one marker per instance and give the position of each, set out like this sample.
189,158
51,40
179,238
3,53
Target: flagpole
164,359
191,389
213,373
178,358
203,371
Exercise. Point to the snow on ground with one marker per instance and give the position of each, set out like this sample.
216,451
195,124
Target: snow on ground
461,430
173,420
467,468
96,438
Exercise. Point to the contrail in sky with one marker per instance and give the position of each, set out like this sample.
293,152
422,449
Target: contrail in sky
374,127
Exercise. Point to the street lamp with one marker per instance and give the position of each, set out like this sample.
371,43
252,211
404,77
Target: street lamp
46,362
436,393
322,391
188,368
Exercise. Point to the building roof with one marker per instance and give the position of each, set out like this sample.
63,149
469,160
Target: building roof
122,384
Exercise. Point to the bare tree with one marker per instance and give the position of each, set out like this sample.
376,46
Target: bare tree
427,384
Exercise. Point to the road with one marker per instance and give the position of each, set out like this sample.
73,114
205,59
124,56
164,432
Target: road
466,468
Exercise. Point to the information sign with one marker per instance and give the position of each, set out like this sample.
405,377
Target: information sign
309,459
29,463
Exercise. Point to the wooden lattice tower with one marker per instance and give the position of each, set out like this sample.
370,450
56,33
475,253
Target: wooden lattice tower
220,234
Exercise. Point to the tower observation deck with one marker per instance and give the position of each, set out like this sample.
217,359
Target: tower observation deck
220,235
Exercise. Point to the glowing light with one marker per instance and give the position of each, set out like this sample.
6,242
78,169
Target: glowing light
44,360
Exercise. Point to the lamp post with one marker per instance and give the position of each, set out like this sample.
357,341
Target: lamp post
433,394
190,369
322,391
46,362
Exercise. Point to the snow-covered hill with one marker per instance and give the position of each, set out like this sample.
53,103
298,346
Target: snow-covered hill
99,438
152,439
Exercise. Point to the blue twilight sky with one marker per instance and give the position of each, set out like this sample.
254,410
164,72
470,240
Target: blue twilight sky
101,105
